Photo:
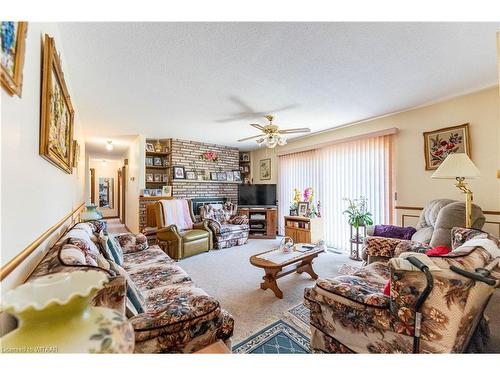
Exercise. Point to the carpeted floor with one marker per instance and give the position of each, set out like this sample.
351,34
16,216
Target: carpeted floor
228,276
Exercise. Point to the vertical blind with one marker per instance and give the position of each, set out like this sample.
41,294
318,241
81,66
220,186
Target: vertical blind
345,170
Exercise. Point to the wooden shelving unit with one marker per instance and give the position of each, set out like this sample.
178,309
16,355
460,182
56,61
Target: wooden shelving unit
304,229
162,152
245,168
262,221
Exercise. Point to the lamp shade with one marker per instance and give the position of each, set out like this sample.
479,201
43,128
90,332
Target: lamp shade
457,165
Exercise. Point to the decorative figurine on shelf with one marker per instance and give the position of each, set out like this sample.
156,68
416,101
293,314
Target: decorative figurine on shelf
358,217
55,316
158,147
286,244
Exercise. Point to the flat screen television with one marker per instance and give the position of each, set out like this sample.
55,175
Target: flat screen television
257,195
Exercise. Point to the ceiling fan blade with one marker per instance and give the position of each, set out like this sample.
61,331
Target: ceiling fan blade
248,138
260,127
296,130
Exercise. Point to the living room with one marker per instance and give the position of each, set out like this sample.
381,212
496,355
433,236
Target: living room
250,187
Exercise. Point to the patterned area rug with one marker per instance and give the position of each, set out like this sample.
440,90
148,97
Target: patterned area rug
277,338
299,315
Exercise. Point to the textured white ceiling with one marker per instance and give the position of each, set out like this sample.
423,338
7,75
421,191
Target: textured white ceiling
188,80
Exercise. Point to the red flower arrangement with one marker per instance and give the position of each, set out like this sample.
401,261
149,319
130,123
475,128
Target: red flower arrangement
209,156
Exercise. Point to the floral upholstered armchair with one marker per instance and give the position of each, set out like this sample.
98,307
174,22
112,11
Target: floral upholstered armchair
227,227
433,229
352,314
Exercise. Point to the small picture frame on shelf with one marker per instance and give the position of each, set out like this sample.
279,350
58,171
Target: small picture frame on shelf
246,169
159,192
152,192
157,161
245,157
146,193
149,177
179,173
164,177
157,177
165,162
213,176
221,176
191,175
293,212
149,161
166,191
150,147
302,208
230,176
237,176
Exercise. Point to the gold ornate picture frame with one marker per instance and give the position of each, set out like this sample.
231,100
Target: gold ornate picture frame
13,44
438,144
57,113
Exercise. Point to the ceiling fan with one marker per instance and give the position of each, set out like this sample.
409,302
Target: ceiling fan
272,136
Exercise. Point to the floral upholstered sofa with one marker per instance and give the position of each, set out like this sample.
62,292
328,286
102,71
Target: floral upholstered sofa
351,314
168,312
228,229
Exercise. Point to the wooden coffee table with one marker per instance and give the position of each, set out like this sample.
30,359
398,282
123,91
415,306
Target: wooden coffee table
302,262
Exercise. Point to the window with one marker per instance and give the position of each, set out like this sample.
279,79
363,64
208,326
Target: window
345,170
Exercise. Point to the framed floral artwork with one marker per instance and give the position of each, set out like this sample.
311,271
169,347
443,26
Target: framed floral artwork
438,144
12,43
57,114
265,169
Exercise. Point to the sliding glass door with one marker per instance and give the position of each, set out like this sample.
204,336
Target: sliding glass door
360,168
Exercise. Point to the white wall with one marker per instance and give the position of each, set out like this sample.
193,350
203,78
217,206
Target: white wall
108,170
34,193
135,174
414,184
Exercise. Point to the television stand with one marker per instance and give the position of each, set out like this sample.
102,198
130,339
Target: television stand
262,221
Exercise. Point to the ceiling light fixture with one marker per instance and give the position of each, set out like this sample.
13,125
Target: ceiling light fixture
109,146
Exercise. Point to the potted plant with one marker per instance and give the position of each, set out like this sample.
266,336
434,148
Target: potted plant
357,213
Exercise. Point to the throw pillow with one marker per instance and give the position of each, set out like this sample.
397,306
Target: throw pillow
460,235
393,231
134,294
115,249
438,251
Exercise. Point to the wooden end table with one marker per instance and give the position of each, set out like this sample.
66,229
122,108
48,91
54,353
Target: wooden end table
274,271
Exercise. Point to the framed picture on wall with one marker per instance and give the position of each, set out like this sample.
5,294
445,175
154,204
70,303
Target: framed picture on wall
150,147
179,173
213,176
13,38
166,191
221,176
438,144
237,176
57,114
265,169
230,176
191,175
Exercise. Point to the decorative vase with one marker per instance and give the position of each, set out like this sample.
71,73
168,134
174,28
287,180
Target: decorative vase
90,213
54,316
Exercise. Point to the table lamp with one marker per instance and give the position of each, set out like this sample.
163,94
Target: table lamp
459,166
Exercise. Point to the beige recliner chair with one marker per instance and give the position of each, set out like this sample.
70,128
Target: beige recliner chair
433,229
